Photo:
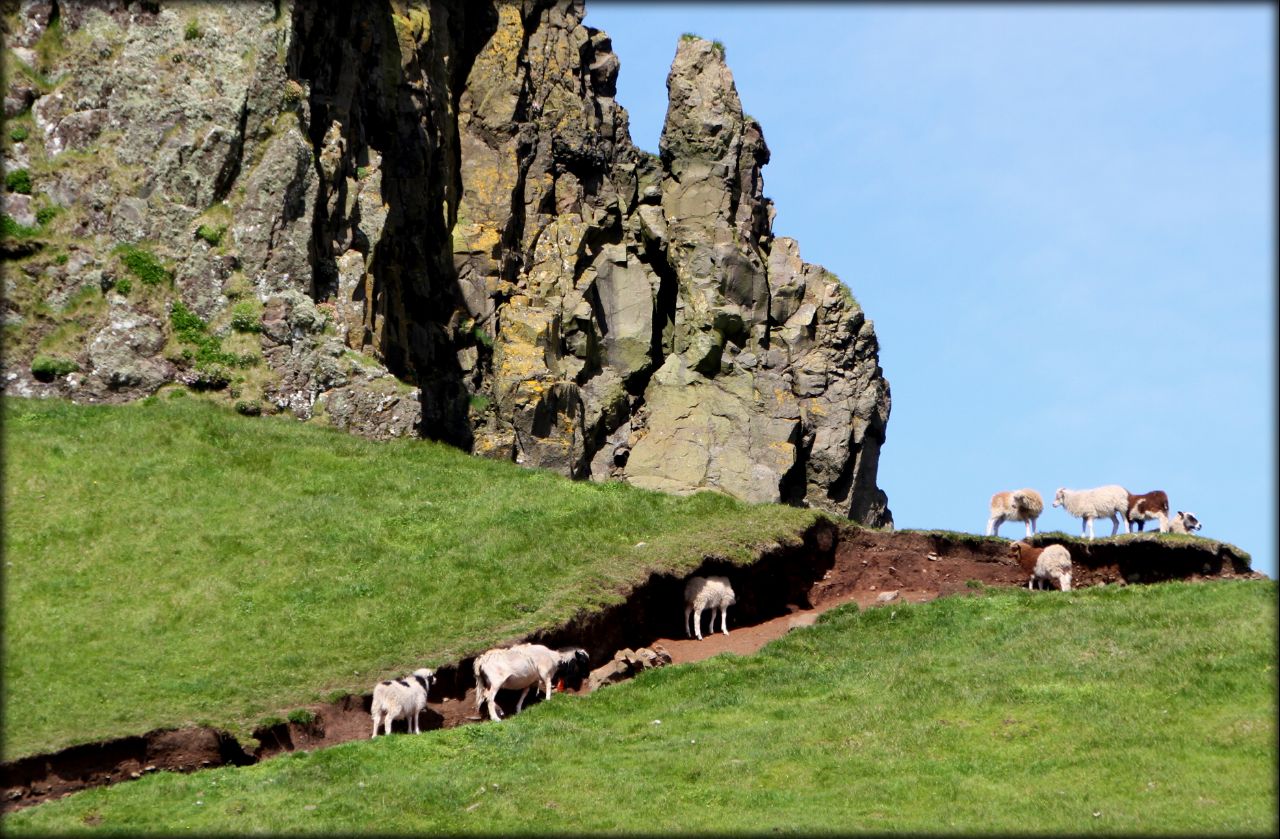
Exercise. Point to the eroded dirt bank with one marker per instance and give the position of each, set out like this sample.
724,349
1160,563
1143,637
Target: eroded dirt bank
784,588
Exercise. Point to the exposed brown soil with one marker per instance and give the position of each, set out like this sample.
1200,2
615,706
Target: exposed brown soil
783,589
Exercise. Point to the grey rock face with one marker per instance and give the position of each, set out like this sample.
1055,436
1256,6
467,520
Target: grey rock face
440,208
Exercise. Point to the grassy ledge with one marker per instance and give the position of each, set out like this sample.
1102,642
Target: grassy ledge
218,569
1138,710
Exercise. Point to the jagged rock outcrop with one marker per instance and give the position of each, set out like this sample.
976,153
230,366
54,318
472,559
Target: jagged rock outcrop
429,218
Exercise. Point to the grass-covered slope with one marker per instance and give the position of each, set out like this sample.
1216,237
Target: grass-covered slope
1143,710
169,563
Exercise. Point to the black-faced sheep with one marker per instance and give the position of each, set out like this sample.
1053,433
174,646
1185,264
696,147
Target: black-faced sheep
1107,502
1149,505
400,699
701,594
1050,565
1184,523
524,666
1023,505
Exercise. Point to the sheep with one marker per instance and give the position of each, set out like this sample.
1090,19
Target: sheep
1048,565
1101,503
523,666
1150,505
1184,523
403,698
701,594
1024,505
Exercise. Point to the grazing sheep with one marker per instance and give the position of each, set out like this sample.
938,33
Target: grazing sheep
1184,523
1023,505
703,593
524,666
1048,565
1106,502
397,699
1150,505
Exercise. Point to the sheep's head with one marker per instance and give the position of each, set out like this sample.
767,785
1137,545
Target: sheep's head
1015,549
1063,580
1059,497
1189,521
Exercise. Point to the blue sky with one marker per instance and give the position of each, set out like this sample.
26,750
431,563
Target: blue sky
1060,219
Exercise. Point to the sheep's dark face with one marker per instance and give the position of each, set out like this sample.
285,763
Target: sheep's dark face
575,668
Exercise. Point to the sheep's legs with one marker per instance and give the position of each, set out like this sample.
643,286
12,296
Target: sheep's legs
520,704
386,725
724,620
492,699
1086,524
688,625
697,623
375,727
1031,527
993,525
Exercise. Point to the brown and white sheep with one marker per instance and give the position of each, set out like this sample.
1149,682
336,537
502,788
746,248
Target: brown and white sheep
707,593
400,699
1184,523
1106,502
1023,505
1050,565
1149,505
522,667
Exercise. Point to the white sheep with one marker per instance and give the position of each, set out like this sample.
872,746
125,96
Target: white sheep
1107,502
400,699
1048,565
701,594
1023,505
1184,523
522,667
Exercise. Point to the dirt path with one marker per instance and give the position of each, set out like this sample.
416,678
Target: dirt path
784,589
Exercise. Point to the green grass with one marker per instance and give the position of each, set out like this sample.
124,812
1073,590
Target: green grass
1146,710
168,562
143,264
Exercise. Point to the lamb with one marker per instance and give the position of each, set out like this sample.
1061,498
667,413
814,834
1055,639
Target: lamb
403,698
1101,503
701,594
1184,523
1150,505
1048,565
1023,505
523,666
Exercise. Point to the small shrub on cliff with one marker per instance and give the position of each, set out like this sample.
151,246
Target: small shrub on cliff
44,215
19,180
18,133
123,286
246,317
186,324
143,264
192,32
211,233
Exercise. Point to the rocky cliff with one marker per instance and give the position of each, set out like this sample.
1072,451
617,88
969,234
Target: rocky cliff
425,218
